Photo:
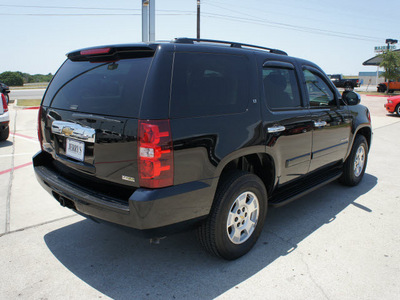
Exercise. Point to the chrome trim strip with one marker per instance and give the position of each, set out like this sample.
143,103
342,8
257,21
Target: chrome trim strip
276,129
73,130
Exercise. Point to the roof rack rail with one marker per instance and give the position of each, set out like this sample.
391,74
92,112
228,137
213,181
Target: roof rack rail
232,44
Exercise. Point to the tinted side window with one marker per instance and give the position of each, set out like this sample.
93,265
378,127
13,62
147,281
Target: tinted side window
103,88
209,84
319,92
281,88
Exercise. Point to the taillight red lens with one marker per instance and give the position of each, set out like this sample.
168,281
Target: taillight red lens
155,154
4,100
95,51
40,136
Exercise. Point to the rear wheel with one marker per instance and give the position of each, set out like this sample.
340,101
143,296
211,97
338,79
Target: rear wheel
236,218
4,133
354,167
348,86
381,88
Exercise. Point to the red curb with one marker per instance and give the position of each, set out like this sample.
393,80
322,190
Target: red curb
15,168
24,136
32,107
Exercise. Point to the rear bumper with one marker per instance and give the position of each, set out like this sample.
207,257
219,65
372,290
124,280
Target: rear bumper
5,118
154,212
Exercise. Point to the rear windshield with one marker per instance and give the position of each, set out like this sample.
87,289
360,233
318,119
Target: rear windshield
113,89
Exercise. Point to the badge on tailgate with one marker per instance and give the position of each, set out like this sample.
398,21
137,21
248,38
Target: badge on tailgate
74,131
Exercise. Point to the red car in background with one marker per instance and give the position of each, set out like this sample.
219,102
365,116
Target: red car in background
393,105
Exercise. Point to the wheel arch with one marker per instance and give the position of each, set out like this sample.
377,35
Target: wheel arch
367,133
255,161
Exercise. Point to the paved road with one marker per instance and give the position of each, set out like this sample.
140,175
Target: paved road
335,243
27,94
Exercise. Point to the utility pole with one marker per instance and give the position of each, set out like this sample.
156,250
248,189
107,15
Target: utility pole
148,21
198,19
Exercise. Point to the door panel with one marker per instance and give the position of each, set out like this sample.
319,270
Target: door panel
331,122
286,121
291,146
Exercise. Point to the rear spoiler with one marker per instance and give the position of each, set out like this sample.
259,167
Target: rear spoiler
112,53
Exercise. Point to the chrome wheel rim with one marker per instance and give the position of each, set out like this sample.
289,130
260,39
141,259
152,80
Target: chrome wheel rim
242,218
359,161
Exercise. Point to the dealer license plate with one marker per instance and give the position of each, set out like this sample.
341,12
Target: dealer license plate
75,149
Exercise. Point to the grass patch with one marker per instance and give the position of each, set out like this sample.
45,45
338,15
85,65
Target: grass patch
29,86
378,94
28,102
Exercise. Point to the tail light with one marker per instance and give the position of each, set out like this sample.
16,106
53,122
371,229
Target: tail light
5,106
155,154
39,128
95,51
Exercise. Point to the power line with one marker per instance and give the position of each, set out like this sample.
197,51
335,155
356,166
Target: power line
88,8
94,15
297,28
293,27
252,20
66,7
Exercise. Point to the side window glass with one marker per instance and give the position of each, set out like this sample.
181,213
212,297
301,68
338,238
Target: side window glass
319,93
281,88
206,84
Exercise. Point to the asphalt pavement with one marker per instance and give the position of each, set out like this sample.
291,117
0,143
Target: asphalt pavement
335,243
27,94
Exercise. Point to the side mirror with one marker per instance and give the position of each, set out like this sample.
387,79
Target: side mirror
351,98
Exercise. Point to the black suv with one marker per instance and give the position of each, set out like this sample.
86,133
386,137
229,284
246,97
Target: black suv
165,136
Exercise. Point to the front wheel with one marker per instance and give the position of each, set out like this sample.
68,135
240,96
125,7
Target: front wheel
237,216
397,110
354,167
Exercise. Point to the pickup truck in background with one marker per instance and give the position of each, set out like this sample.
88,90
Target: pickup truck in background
347,83
393,86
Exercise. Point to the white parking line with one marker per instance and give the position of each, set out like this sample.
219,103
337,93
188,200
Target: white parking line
19,154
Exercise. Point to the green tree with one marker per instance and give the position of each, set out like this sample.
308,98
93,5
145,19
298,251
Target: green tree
391,64
12,78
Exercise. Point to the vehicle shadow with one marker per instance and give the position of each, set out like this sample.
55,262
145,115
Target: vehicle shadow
121,265
394,115
6,143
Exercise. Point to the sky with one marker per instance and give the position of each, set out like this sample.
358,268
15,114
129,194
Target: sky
337,35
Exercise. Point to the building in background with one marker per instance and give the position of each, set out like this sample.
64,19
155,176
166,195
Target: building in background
373,76
370,78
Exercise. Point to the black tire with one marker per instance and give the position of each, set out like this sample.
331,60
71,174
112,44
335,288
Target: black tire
348,86
381,88
397,110
216,235
354,167
4,133
390,91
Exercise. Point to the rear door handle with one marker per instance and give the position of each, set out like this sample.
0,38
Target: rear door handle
320,124
276,129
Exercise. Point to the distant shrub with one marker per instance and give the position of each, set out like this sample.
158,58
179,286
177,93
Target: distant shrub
19,78
12,78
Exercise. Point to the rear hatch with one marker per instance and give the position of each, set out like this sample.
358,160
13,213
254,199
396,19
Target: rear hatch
89,115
